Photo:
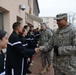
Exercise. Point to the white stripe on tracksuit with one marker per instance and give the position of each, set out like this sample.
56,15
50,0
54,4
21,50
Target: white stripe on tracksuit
21,69
22,66
14,43
22,59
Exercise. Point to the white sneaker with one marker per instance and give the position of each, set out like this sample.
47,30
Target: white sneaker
31,63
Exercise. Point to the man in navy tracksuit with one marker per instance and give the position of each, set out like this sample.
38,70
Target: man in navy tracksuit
1,62
15,52
31,40
31,43
37,34
25,45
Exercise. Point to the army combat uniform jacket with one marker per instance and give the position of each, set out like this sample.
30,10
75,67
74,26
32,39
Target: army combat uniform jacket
45,35
65,39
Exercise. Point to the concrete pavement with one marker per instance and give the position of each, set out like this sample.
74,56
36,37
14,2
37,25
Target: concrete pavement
36,67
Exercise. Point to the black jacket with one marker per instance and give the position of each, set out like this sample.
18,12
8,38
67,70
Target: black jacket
31,41
15,51
1,62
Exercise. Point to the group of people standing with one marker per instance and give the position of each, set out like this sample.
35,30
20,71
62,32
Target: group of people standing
21,46
56,48
63,44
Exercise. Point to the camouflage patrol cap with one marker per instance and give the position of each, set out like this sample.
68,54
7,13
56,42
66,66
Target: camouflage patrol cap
43,23
60,16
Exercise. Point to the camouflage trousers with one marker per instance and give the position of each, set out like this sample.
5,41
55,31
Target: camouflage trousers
58,72
45,59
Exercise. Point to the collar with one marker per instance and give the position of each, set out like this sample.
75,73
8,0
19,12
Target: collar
64,29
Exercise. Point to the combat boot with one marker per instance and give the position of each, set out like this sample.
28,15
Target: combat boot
48,67
43,71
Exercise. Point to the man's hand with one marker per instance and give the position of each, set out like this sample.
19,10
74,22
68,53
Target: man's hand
37,50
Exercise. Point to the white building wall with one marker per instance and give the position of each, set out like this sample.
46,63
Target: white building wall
51,23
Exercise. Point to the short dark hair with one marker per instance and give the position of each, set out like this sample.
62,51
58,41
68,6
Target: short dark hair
31,26
23,30
37,28
2,34
15,25
26,26
30,31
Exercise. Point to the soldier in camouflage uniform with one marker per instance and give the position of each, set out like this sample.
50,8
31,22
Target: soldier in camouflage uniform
45,35
63,42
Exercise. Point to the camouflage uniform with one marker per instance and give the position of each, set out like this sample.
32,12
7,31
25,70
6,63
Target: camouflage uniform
45,35
65,39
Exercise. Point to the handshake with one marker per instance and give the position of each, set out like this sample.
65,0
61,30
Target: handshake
37,50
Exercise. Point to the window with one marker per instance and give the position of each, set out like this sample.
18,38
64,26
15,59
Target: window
19,19
47,22
1,20
29,10
29,2
54,22
54,25
47,18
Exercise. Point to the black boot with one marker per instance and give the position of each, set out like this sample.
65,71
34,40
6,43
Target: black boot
28,72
